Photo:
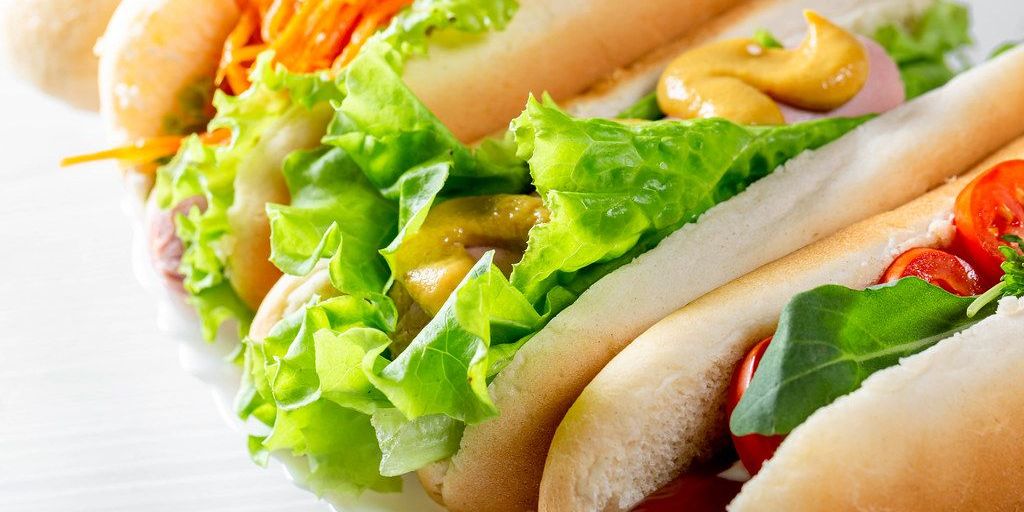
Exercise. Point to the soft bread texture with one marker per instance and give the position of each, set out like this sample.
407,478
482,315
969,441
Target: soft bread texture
783,17
151,52
881,165
659,405
259,182
155,48
288,295
943,430
557,46
50,44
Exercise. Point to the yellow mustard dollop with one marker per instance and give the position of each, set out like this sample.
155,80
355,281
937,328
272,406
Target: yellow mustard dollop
432,262
741,80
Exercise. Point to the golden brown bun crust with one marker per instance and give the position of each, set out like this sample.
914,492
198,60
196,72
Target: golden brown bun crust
152,51
943,430
50,43
558,46
659,405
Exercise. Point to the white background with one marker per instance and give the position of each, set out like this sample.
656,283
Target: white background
95,413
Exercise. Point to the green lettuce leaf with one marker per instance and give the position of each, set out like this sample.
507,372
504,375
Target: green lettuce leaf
408,445
832,338
387,131
444,370
411,30
277,102
611,187
921,50
407,153
335,213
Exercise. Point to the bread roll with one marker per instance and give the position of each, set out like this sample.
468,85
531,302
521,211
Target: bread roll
475,86
50,44
884,163
288,295
559,46
659,405
152,54
943,430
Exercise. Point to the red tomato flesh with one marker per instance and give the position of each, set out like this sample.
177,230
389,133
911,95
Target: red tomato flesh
989,208
754,449
936,267
697,490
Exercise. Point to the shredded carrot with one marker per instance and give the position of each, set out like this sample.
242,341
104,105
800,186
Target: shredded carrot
147,150
305,35
278,14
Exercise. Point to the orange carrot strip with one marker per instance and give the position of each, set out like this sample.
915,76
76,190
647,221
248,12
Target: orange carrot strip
248,24
332,35
237,78
249,53
294,32
146,150
380,14
277,16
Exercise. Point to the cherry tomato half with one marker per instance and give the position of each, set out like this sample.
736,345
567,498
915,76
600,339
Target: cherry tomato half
989,208
754,449
936,267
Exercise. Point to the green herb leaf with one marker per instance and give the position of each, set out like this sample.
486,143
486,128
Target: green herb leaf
921,50
766,39
832,338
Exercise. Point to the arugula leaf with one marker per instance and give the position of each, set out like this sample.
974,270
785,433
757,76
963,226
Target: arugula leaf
611,186
921,50
832,338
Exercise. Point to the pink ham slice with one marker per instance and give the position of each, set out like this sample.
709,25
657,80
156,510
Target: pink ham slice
165,248
882,92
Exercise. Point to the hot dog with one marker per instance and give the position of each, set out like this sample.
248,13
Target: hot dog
496,434
893,439
474,291
472,63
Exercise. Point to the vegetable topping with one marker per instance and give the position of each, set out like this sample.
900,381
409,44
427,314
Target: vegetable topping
832,338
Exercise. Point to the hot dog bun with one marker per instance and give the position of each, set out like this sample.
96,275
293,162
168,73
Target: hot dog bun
50,44
943,430
659,405
153,51
475,86
881,165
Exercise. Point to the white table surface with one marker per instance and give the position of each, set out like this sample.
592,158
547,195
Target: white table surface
95,413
